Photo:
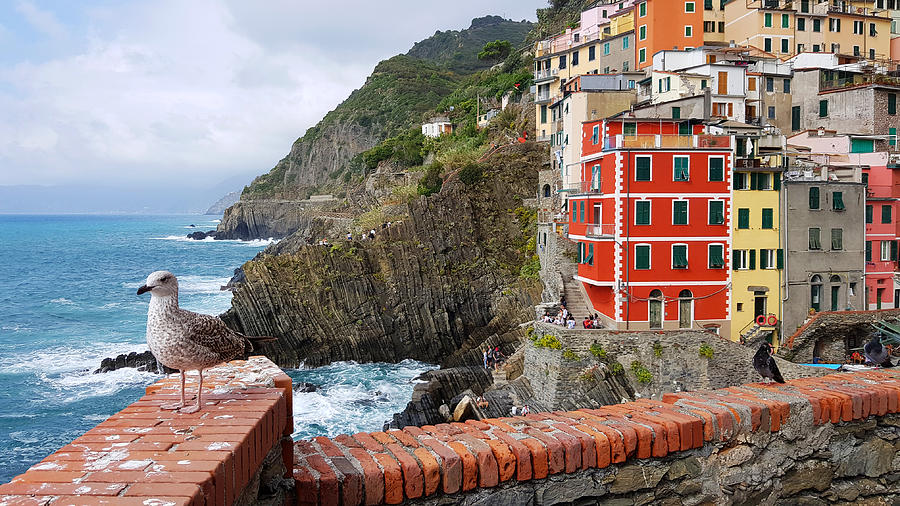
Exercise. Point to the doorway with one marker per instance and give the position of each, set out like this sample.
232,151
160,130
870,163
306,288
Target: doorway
685,309
656,309
759,304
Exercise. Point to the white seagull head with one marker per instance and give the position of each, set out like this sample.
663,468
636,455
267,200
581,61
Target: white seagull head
160,284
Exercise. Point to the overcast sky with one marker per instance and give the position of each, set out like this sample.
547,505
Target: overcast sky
137,92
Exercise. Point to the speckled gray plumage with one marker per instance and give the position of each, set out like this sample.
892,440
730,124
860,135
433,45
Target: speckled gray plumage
185,340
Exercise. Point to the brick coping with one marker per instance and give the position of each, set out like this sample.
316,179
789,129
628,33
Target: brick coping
390,467
145,455
820,314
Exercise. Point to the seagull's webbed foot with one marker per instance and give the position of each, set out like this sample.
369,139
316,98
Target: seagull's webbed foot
171,406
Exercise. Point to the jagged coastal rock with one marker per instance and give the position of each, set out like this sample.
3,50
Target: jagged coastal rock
141,361
265,219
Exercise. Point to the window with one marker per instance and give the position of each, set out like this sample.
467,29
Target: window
709,27
642,32
817,26
767,44
872,31
868,251
886,213
679,256
886,251
743,218
771,112
625,43
785,21
592,53
676,113
834,24
759,181
721,27
642,256
642,55
739,260
787,85
892,140
813,197
858,27
785,45
642,212
855,50
770,85
768,20
682,169
801,24
768,259
629,129
716,212
688,31
837,201
892,103
837,239
562,61
575,58
642,9
703,84
642,168
680,212
688,7
590,255
581,254
595,135
814,243
872,53
716,256
740,180
869,213
751,84
716,169
816,48
606,48
767,218
581,212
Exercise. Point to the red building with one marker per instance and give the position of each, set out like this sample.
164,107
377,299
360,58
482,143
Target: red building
882,192
652,223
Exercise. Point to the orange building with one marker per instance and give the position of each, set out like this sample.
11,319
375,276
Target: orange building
673,24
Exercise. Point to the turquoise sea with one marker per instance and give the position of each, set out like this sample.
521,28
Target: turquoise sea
67,300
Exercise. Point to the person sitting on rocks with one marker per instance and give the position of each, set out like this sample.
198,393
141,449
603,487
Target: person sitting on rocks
525,410
349,236
481,402
588,323
565,312
570,323
372,234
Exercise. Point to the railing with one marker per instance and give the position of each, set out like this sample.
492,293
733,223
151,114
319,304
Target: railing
544,138
746,163
591,186
542,96
667,141
846,8
856,80
545,74
600,230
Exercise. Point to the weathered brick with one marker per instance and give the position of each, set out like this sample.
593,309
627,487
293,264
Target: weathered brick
351,481
329,488
450,462
521,452
413,479
373,477
556,453
393,478
430,470
506,461
469,465
488,470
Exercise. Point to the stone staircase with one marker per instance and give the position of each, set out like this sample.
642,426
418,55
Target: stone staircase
576,301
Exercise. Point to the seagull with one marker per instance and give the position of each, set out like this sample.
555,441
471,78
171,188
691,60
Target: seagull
876,353
765,365
185,340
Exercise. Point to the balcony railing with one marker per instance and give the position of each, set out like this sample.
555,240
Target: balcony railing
826,83
590,186
542,96
667,141
747,163
600,230
545,74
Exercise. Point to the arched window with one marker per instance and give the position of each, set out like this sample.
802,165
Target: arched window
835,292
815,292
546,190
685,309
656,309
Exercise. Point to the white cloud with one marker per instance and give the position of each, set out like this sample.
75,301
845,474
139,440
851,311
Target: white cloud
193,91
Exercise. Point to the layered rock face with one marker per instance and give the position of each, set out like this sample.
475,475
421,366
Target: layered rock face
264,219
429,288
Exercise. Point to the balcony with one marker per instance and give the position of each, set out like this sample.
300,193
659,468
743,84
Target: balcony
591,186
847,8
545,74
542,97
600,230
746,163
828,81
667,142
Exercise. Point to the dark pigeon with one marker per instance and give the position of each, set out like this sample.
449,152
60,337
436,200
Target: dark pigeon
765,364
876,353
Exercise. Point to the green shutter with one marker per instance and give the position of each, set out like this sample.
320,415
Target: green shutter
679,257
886,213
752,264
814,243
837,239
590,254
629,129
682,168
743,218
780,258
893,133
776,181
715,257
735,260
868,251
684,128
716,169
823,108
676,113
893,251
767,218
680,212
870,211
754,181
642,172
581,212
763,259
837,201
642,212
642,257
892,103
813,197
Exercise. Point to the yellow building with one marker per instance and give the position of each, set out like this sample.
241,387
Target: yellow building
757,253
858,29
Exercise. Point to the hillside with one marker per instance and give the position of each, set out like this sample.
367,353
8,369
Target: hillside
399,94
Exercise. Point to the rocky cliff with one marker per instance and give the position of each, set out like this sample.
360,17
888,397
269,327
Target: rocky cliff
264,219
433,287
223,203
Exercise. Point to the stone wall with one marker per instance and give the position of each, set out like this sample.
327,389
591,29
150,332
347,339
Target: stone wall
235,450
823,440
562,380
829,335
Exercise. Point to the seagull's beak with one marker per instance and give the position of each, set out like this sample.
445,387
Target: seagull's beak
143,289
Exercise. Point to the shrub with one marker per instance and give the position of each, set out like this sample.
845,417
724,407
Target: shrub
568,354
616,368
641,373
432,181
706,351
548,341
531,269
657,349
470,174
598,351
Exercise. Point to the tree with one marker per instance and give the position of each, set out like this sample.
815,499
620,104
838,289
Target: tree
495,51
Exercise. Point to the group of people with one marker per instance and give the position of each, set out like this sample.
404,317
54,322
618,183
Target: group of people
492,359
565,319
371,233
